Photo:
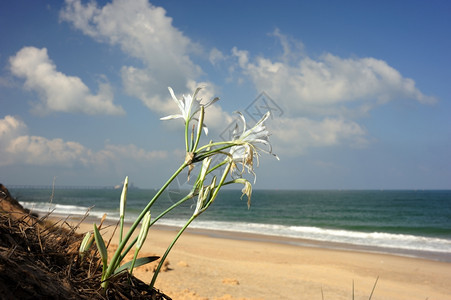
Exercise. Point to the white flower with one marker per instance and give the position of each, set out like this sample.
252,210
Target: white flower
123,198
188,106
246,144
247,189
204,199
144,230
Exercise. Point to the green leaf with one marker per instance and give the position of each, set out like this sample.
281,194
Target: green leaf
101,246
139,262
84,244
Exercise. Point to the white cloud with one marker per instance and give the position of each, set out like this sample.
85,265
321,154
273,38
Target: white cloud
139,28
243,57
17,147
292,48
57,91
145,32
321,98
10,127
293,136
132,152
329,84
138,82
36,150
216,56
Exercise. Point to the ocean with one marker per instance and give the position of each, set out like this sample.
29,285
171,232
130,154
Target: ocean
410,223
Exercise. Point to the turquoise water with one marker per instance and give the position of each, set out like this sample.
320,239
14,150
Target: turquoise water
416,221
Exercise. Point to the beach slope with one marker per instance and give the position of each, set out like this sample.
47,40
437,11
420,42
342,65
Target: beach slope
206,265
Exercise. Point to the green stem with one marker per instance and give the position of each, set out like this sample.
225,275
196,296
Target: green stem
189,196
121,227
217,166
186,135
114,261
200,124
226,145
194,216
220,184
163,258
133,261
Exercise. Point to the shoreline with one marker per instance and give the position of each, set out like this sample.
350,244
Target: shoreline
300,242
293,241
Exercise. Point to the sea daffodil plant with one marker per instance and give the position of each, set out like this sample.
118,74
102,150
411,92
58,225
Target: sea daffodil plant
242,149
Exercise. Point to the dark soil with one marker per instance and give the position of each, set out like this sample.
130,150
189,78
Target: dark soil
39,260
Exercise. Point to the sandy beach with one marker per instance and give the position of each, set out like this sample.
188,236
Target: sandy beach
206,265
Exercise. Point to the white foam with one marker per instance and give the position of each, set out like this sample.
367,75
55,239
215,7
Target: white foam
372,239
60,209
375,239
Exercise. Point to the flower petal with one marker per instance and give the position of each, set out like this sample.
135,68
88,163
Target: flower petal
171,117
179,102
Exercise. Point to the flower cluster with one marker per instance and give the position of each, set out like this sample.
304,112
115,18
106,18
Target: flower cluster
247,144
245,147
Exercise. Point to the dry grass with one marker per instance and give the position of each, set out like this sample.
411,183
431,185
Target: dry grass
39,260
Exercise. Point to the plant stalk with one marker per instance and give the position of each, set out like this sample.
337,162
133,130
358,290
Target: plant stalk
114,261
163,258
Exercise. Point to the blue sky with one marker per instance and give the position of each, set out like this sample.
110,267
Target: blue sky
360,89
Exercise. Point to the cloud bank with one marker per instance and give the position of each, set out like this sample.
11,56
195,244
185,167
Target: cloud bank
329,81
17,147
323,97
59,92
145,32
